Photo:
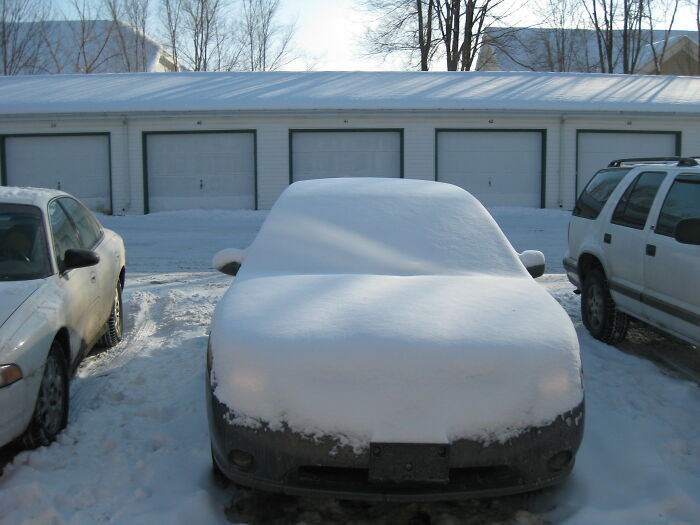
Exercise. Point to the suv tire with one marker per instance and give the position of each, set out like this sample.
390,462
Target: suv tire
598,311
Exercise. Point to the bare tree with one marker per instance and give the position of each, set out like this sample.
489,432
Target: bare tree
199,35
404,27
563,47
265,43
618,24
20,47
132,37
462,25
171,18
81,44
658,49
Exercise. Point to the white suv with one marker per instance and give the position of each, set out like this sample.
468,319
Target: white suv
634,248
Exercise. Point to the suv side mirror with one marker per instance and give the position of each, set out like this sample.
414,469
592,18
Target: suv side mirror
533,261
688,231
229,260
78,258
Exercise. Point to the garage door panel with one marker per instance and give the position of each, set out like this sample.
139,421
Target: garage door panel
201,170
324,154
500,168
595,150
77,164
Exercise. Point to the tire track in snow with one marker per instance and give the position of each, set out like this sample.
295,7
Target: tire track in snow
85,390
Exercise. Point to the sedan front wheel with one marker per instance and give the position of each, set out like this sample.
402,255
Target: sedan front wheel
51,410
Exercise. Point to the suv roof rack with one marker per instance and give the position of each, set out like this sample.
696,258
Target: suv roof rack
678,161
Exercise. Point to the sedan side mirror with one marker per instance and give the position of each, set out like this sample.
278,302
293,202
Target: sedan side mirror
78,258
229,260
533,261
688,231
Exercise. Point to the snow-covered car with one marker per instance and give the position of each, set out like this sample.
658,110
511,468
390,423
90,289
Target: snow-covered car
384,341
61,277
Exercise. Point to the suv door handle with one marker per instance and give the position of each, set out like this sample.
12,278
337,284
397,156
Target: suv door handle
651,250
607,238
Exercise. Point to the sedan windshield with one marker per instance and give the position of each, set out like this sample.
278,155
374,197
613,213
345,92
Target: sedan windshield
23,253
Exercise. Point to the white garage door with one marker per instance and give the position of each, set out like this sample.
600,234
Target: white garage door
596,150
200,170
324,154
500,168
78,164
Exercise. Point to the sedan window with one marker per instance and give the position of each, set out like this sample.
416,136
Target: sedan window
65,236
88,228
23,253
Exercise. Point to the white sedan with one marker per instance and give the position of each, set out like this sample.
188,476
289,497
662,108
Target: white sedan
384,341
61,277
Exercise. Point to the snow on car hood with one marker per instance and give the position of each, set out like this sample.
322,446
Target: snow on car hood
13,294
420,358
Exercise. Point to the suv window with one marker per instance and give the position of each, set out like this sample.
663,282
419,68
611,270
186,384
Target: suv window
597,191
634,205
682,202
87,226
65,236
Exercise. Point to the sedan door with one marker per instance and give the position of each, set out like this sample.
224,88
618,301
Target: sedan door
79,285
671,268
93,238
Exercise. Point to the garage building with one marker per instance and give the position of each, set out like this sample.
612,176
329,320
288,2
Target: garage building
141,142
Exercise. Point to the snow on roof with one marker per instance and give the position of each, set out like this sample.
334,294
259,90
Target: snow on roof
279,91
535,49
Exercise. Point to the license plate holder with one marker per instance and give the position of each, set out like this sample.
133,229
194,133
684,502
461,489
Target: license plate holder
409,463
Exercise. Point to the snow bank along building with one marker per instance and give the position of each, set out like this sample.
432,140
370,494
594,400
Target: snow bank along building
139,143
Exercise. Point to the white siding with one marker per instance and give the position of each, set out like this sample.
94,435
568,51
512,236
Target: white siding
126,139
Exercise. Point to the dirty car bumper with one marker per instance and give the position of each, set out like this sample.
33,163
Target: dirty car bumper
287,462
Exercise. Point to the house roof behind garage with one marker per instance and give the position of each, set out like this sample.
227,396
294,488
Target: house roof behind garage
279,91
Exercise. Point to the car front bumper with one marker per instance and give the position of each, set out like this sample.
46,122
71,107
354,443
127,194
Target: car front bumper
287,462
13,411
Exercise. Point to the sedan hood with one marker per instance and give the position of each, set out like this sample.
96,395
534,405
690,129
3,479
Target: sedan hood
13,294
395,358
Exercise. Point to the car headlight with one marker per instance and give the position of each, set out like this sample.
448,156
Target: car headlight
9,374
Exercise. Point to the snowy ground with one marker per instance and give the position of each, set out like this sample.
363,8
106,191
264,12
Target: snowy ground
136,449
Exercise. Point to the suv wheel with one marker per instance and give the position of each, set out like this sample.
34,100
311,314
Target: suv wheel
598,311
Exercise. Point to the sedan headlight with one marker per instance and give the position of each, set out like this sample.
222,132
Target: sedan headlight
9,374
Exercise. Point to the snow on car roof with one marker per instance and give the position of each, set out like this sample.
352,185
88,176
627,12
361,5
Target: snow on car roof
379,226
20,195
471,90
